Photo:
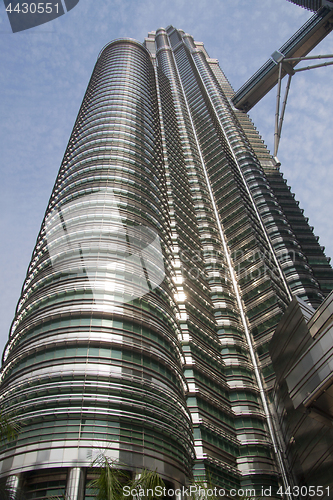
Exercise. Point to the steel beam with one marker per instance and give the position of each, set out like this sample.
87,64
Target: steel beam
300,44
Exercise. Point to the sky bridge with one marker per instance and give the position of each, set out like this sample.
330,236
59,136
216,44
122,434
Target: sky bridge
298,46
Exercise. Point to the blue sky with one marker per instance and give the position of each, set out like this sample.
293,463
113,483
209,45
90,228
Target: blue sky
45,71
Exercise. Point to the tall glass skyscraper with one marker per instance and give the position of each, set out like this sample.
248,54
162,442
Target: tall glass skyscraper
169,251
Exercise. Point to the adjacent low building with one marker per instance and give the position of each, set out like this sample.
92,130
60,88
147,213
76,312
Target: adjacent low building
302,356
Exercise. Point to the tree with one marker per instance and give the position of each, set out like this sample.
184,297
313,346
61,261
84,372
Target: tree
112,479
110,482
148,480
9,428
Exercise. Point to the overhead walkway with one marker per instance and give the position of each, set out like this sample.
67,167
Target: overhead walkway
299,45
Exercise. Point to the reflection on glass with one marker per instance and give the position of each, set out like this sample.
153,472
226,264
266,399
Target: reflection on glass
90,237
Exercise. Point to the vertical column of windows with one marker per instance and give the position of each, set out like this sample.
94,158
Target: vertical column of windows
241,230
263,294
287,247
216,446
309,245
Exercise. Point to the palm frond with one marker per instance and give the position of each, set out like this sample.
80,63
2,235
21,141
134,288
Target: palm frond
148,481
9,427
111,479
64,496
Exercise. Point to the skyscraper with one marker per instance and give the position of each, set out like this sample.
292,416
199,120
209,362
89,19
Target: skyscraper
169,251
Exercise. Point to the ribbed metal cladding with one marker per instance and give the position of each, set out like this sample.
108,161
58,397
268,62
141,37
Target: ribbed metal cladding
93,362
263,251
213,154
195,243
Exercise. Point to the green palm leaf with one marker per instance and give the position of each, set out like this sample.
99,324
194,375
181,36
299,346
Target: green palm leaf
111,479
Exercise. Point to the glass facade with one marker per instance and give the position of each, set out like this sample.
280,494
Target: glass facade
169,251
